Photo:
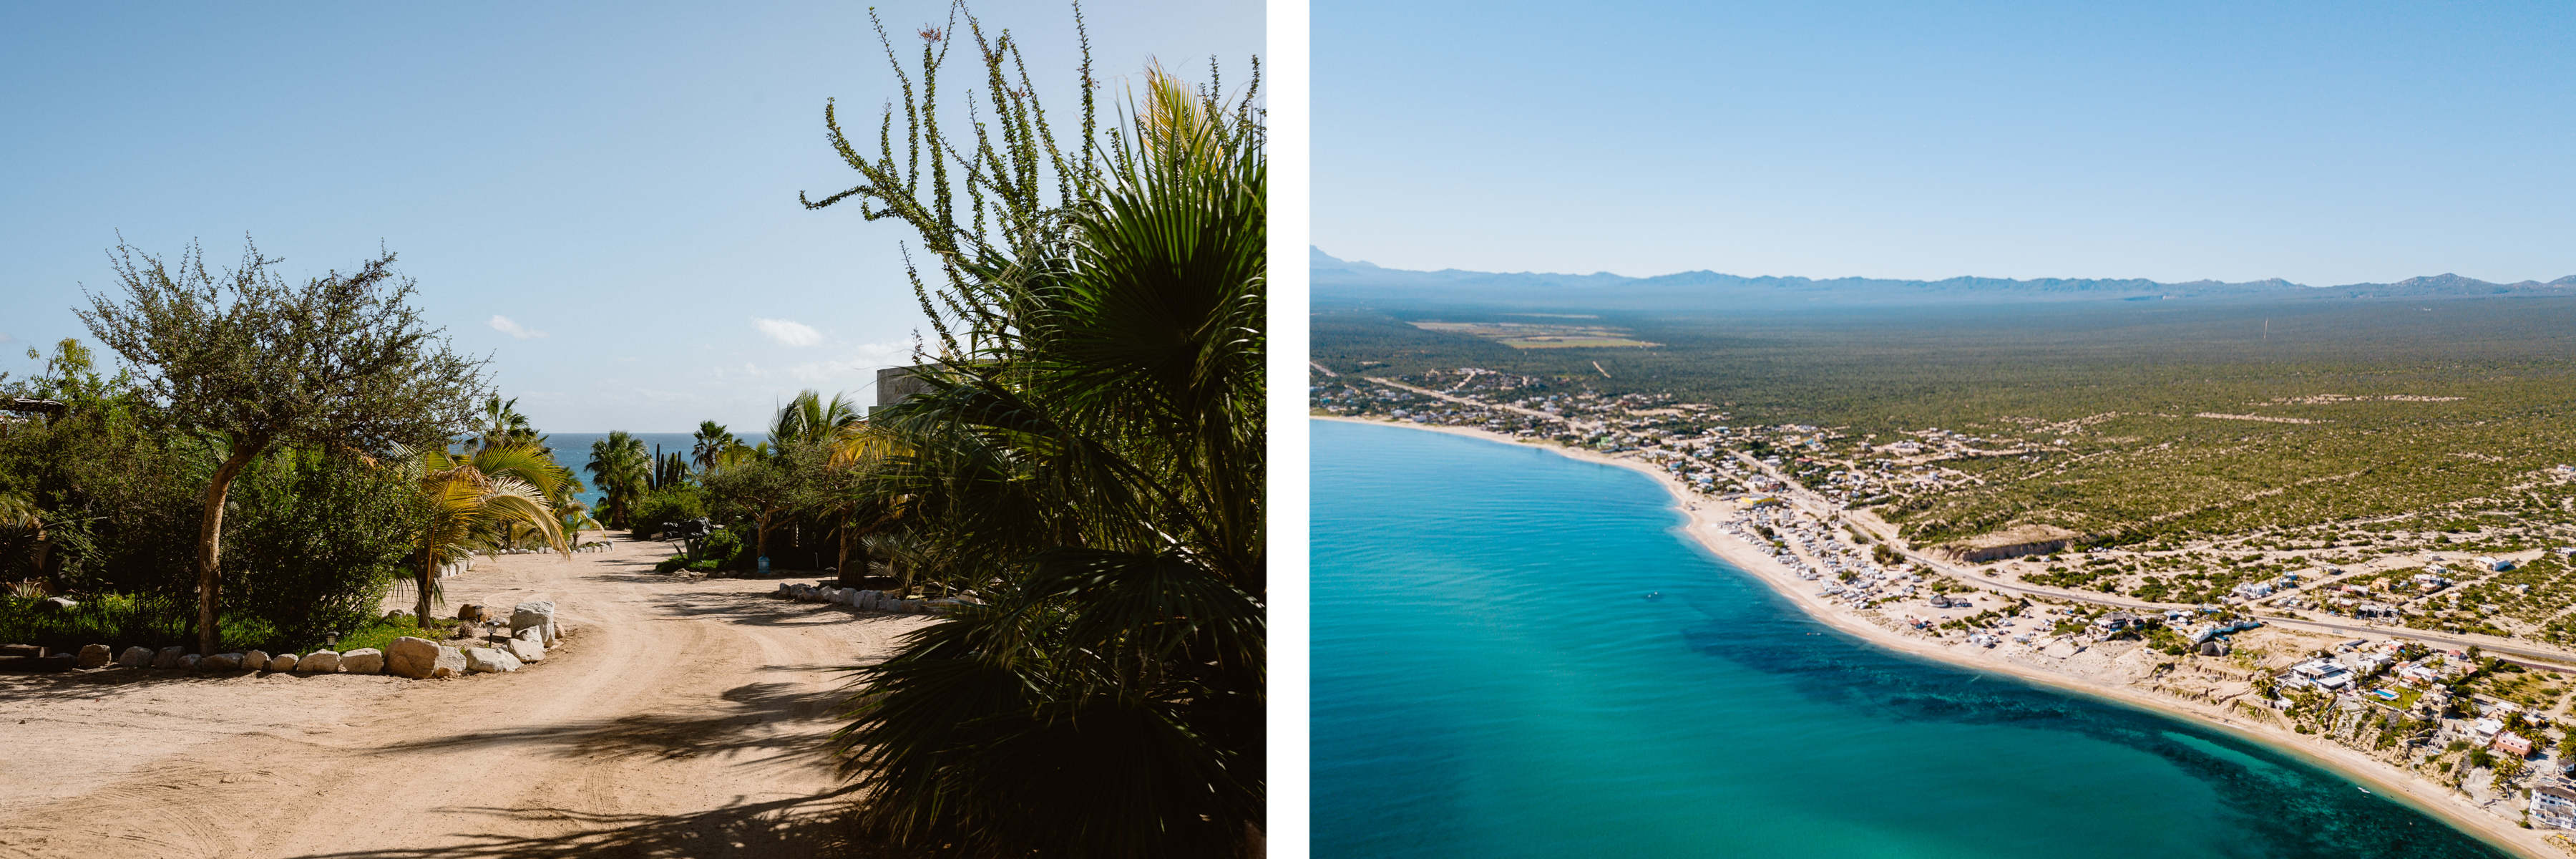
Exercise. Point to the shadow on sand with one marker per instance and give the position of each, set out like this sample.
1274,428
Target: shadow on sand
741,726
803,827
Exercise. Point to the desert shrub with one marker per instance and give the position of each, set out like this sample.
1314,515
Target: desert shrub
667,504
318,542
724,547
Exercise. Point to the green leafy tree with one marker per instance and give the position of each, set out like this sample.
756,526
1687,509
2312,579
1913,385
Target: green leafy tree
252,361
1087,459
760,488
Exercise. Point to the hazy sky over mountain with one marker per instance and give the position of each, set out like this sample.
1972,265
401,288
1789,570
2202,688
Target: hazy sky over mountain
600,195
2323,143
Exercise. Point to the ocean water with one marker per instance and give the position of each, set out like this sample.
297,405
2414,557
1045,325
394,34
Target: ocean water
1489,682
572,450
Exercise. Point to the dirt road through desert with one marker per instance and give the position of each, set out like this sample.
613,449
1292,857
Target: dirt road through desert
681,718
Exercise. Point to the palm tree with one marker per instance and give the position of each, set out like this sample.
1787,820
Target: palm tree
711,442
807,419
469,496
846,500
1087,459
621,468
573,517
501,423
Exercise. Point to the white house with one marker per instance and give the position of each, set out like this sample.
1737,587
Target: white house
2553,807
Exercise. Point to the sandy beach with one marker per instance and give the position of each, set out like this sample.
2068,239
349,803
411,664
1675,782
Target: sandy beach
1706,526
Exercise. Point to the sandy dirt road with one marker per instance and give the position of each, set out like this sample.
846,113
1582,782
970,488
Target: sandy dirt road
679,718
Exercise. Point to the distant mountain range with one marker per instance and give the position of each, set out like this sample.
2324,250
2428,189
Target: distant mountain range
1354,282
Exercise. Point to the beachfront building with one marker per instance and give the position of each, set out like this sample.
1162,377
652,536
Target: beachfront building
2513,744
2553,807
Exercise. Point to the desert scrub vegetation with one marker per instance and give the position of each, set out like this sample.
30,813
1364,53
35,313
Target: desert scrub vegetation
2453,408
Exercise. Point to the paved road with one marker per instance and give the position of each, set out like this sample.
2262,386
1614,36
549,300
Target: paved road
681,718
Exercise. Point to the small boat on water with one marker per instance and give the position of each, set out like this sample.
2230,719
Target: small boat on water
1654,596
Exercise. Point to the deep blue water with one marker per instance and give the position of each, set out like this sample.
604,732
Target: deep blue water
572,450
1488,682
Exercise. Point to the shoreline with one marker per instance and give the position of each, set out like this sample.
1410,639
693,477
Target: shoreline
1706,530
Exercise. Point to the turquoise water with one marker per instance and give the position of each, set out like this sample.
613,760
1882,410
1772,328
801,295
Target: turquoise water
1488,682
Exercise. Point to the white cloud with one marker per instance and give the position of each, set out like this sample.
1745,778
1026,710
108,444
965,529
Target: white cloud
857,370
504,325
788,333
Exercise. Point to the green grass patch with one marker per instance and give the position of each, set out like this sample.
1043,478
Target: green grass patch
380,633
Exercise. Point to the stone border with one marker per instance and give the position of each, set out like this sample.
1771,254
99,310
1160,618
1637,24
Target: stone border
825,592
533,628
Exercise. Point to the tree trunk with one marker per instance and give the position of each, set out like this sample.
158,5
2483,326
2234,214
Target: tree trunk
841,564
210,537
760,547
428,579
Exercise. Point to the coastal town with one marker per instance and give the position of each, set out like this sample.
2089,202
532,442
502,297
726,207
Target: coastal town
2426,651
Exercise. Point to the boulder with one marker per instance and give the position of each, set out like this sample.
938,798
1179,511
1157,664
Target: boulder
319,662
135,657
190,661
364,660
451,662
469,613
168,657
221,662
487,660
415,658
96,655
538,615
283,662
256,660
29,651
525,649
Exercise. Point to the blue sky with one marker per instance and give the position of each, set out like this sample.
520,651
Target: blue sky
2320,142
617,181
